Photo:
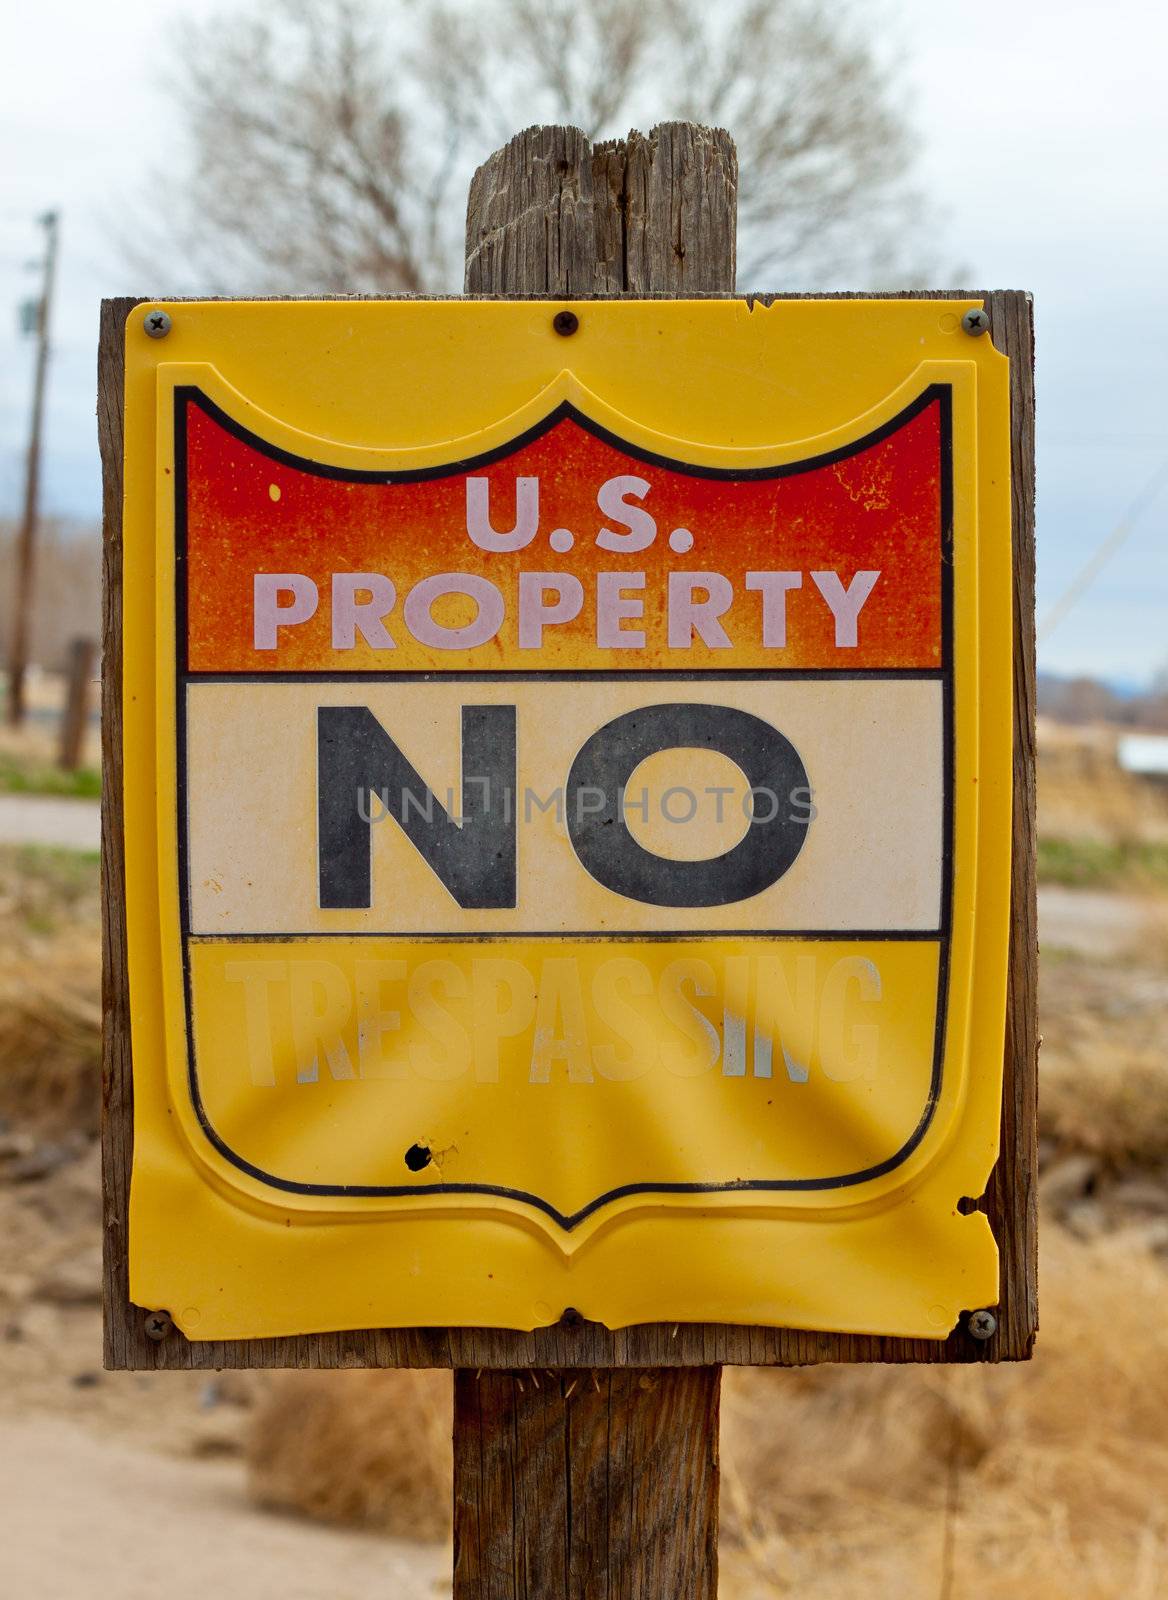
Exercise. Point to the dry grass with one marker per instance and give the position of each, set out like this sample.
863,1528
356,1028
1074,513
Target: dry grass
1104,1081
1047,1480
46,892
50,1047
50,992
1084,795
369,1449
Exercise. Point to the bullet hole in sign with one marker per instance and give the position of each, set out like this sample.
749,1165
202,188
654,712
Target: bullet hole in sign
417,1157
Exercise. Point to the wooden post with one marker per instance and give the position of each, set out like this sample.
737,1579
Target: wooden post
570,1484
586,1484
551,214
75,717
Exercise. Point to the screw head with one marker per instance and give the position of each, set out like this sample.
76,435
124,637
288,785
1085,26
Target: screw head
565,322
157,323
976,321
982,1324
571,1318
158,1325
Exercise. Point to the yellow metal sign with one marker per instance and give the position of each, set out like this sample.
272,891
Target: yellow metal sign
567,810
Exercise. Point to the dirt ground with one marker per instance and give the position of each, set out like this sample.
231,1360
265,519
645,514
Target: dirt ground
87,1515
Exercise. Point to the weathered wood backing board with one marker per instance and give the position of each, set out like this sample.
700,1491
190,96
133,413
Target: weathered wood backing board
1011,1197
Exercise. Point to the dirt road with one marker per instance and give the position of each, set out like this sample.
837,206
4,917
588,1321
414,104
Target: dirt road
1098,922
51,820
86,1518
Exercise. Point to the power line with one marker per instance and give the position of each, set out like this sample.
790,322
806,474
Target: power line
1103,553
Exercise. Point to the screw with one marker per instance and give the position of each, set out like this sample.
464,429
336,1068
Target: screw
571,1318
565,322
982,1324
158,1325
157,324
976,321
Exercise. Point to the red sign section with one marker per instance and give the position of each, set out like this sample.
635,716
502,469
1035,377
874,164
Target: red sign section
567,551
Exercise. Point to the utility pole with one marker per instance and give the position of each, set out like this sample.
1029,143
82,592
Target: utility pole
26,540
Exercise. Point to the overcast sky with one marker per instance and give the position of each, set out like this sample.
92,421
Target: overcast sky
1043,128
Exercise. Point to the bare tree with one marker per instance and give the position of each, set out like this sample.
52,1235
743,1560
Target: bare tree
331,140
